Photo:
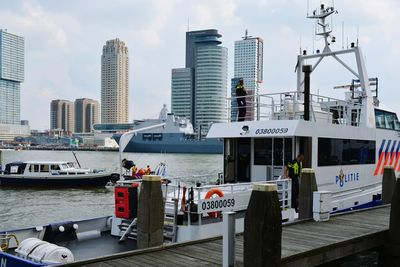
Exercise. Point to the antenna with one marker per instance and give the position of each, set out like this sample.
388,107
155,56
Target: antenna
342,34
358,29
300,45
246,35
313,38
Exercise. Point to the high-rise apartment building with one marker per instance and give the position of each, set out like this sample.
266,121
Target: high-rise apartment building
62,116
12,54
248,66
115,82
86,114
199,89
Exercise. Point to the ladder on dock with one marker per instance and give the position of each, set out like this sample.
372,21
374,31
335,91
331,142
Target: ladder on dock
129,227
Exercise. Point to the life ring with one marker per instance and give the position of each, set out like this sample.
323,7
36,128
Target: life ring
209,194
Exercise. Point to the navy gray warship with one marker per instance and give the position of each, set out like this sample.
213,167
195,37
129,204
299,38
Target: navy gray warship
175,136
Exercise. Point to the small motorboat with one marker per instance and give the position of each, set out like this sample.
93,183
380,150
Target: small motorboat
53,173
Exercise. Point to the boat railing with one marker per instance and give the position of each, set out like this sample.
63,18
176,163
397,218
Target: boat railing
290,106
234,197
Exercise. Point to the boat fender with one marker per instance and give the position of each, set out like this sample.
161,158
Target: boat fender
60,232
114,177
210,193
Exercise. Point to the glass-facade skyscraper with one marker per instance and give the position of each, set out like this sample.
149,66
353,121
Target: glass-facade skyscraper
12,54
115,82
248,66
11,77
199,89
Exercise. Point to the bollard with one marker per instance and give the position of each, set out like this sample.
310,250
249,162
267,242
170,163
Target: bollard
388,184
228,241
390,253
150,221
308,185
263,228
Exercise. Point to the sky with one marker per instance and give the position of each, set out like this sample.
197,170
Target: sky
64,40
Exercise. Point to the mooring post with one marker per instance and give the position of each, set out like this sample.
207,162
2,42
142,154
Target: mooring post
388,184
308,185
390,253
150,222
263,227
228,241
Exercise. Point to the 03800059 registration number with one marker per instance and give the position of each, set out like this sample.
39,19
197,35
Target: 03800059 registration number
217,203
272,131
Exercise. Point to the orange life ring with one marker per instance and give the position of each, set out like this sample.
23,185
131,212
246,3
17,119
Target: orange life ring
209,194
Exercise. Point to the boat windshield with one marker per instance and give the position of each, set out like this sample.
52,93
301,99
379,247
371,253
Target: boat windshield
64,166
70,165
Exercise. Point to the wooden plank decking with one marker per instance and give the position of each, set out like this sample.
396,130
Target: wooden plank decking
303,244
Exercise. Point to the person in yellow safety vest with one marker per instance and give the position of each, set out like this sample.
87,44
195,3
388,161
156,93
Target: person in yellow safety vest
148,170
134,170
293,171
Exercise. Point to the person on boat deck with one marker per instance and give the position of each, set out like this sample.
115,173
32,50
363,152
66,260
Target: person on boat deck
241,100
148,170
140,173
293,171
134,170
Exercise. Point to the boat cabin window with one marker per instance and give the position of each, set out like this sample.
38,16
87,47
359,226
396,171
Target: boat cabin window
34,168
263,151
70,165
332,152
64,166
44,168
273,151
55,167
386,120
15,168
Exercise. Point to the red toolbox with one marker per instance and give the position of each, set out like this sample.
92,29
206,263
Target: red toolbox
126,201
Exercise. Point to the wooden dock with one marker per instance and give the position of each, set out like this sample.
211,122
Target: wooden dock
305,243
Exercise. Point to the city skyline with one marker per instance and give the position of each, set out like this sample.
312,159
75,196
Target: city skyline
63,40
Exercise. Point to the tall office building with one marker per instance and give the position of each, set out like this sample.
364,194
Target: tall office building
115,82
249,67
86,114
62,116
199,89
12,54
181,92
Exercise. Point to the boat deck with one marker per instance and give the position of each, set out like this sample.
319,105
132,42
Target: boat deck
96,247
305,243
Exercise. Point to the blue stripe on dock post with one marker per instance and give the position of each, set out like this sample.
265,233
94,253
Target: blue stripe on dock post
263,228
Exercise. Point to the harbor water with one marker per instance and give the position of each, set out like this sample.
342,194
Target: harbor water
26,207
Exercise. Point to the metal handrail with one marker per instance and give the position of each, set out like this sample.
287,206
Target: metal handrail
290,105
